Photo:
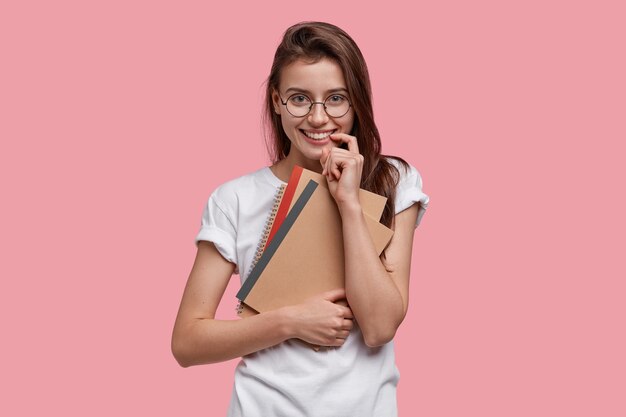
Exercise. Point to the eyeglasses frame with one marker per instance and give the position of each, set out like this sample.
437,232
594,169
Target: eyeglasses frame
323,103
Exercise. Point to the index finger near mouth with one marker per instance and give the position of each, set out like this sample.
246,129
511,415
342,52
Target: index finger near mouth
353,145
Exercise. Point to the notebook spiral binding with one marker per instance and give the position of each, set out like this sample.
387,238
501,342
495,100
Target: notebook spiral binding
269,223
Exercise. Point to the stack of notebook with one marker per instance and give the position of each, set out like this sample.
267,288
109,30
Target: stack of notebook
301,253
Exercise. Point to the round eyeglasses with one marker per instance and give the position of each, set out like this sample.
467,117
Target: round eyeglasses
299,105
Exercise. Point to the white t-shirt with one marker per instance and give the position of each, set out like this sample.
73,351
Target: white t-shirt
291,379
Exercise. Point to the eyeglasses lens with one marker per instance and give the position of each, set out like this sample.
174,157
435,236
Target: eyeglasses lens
300,105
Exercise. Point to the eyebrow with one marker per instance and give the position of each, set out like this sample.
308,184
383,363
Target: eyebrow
302,90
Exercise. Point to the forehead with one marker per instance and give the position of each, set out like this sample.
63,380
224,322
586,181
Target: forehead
318,77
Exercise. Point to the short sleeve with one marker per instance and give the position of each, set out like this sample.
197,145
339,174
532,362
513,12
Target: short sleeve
409,192
217,227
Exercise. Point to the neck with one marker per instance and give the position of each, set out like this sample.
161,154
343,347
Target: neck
282,169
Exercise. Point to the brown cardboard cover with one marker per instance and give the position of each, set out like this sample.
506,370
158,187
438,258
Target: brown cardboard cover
310,260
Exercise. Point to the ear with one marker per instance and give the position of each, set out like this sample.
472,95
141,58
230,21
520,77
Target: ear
276,101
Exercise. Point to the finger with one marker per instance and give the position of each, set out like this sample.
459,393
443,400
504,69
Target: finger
334,295
329,165
339,342
334,168
342,160
347,313
332,175
336,172
324,159
342,334
347,324
353,146
331,170
342,302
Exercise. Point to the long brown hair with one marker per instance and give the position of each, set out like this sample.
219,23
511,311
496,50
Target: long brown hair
312,41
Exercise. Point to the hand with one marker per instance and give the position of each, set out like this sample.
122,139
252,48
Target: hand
321,321
343,170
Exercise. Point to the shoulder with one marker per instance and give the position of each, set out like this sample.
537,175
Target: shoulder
227,202
409,188
408,174
231,191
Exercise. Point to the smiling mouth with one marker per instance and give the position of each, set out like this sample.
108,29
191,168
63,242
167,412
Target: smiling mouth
318,136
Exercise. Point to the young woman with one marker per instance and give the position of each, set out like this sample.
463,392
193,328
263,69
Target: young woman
319,116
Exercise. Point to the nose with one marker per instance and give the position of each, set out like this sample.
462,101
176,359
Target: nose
317,115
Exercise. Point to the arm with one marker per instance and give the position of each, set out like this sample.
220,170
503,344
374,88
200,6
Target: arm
379,299
198,338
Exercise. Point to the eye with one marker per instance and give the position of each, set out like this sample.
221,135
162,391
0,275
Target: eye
299,99
336,99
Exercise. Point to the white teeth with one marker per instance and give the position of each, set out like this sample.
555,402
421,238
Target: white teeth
317,136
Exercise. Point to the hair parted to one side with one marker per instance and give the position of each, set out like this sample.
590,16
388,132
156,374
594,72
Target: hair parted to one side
310,42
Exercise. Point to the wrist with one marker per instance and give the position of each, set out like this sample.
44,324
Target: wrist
285,322
350,207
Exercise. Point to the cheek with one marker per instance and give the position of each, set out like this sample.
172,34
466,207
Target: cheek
349,125
288,128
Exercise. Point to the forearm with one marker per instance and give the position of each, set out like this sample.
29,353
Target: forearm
204,341
373,296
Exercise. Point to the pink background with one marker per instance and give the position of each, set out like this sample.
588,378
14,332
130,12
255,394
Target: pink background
118,119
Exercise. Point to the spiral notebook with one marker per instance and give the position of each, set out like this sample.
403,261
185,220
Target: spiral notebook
301,250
